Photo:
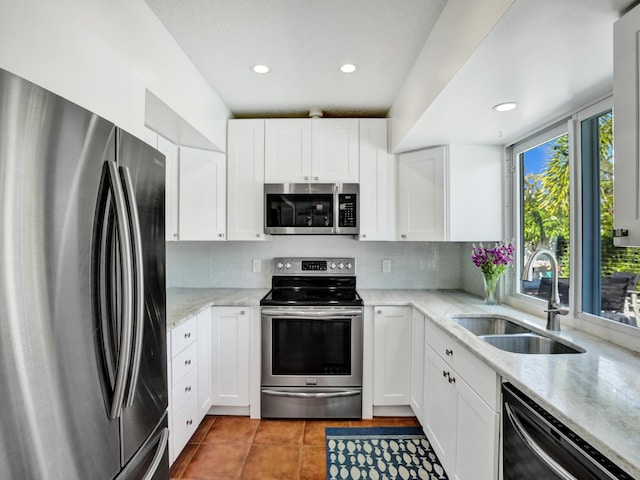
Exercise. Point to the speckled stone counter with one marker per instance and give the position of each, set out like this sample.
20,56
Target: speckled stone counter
184,303
596,394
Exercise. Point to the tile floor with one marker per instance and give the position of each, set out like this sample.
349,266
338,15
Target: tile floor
239,448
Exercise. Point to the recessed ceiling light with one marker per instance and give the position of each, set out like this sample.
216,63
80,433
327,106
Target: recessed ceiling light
505,107
260,68
348,68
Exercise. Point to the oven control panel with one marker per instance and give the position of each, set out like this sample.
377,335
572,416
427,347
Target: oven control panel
314,266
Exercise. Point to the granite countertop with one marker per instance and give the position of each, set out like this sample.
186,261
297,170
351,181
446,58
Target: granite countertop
596,394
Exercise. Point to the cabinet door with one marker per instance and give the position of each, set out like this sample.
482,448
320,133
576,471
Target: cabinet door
476,436
202,195
626,105
421,195
230,356
417,364
440,408
245,195
377,182
204,362
287,155
474,168
335,150
392,358
170,151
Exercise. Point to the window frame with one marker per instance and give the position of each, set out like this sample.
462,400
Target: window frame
619,333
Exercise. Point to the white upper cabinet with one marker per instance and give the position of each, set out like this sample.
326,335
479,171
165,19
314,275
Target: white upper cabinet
202,195
287,155
626,105
171,152
311,150
377,182
421,177
245,193
440,189
334,150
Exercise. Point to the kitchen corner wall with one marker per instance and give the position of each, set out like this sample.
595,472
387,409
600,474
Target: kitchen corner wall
414,265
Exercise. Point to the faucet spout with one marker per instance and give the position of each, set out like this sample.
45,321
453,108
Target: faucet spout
554,307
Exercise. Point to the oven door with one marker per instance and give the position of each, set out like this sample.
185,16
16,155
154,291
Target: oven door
312,347
311,362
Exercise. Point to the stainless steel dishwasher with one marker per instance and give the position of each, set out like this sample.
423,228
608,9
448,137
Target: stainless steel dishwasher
537,446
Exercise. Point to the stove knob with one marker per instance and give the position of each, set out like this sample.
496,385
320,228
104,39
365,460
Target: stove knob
349,266
287,265
279,265
341,265
332,265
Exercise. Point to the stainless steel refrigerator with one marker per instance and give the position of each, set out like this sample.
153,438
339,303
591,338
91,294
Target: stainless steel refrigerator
83,384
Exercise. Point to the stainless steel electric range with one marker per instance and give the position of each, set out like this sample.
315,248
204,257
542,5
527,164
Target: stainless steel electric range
312,340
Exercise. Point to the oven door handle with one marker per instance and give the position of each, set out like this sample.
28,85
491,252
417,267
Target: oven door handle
343,312
344,393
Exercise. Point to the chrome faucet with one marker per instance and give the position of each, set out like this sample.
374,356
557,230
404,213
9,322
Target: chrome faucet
554,308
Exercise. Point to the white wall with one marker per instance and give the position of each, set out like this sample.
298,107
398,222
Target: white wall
414,265
104,55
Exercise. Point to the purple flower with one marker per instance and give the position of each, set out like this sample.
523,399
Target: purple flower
494,260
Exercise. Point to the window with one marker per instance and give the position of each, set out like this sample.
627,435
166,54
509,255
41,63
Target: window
544,170
610,274
562,184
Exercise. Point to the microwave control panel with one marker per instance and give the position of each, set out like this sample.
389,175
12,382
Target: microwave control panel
347,210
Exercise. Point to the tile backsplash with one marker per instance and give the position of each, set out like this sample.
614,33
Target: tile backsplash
414,265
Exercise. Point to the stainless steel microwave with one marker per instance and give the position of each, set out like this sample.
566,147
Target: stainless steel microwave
311,208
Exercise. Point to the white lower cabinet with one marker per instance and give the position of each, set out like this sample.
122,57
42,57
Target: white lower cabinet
461,408
417,363
230,356
392,358
182,374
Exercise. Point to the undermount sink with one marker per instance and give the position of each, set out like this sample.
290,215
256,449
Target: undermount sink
489,325
530,343
508,335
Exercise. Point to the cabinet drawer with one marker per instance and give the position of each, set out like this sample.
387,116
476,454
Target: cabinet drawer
480,377
185,422
183,363
186,388
183,335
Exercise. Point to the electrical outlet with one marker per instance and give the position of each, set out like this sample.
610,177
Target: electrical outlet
257,265
386,266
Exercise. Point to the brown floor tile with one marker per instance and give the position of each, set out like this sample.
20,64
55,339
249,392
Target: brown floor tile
217,462
313,463
279,432
202,430
272,462
232,430
181,463
407,422
314,430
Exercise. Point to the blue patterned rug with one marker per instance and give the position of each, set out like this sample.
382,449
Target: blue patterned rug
381,453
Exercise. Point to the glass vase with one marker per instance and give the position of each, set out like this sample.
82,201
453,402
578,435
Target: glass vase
491,281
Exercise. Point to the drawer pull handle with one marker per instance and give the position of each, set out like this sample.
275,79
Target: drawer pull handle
448,352
187,389
452,379
187,362
445,374
189,422
187,335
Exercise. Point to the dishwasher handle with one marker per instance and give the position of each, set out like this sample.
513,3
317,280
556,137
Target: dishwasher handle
534,447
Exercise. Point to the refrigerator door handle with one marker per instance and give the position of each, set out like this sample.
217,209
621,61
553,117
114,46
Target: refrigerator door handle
126,265
138,270
157,458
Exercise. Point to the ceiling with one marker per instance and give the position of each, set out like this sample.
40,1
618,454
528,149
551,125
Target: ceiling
548,56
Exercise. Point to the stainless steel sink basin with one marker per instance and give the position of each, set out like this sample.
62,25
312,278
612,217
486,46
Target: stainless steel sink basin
489,325
530,343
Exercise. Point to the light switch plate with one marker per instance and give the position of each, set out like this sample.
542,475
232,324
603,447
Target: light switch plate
257,265
386,266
